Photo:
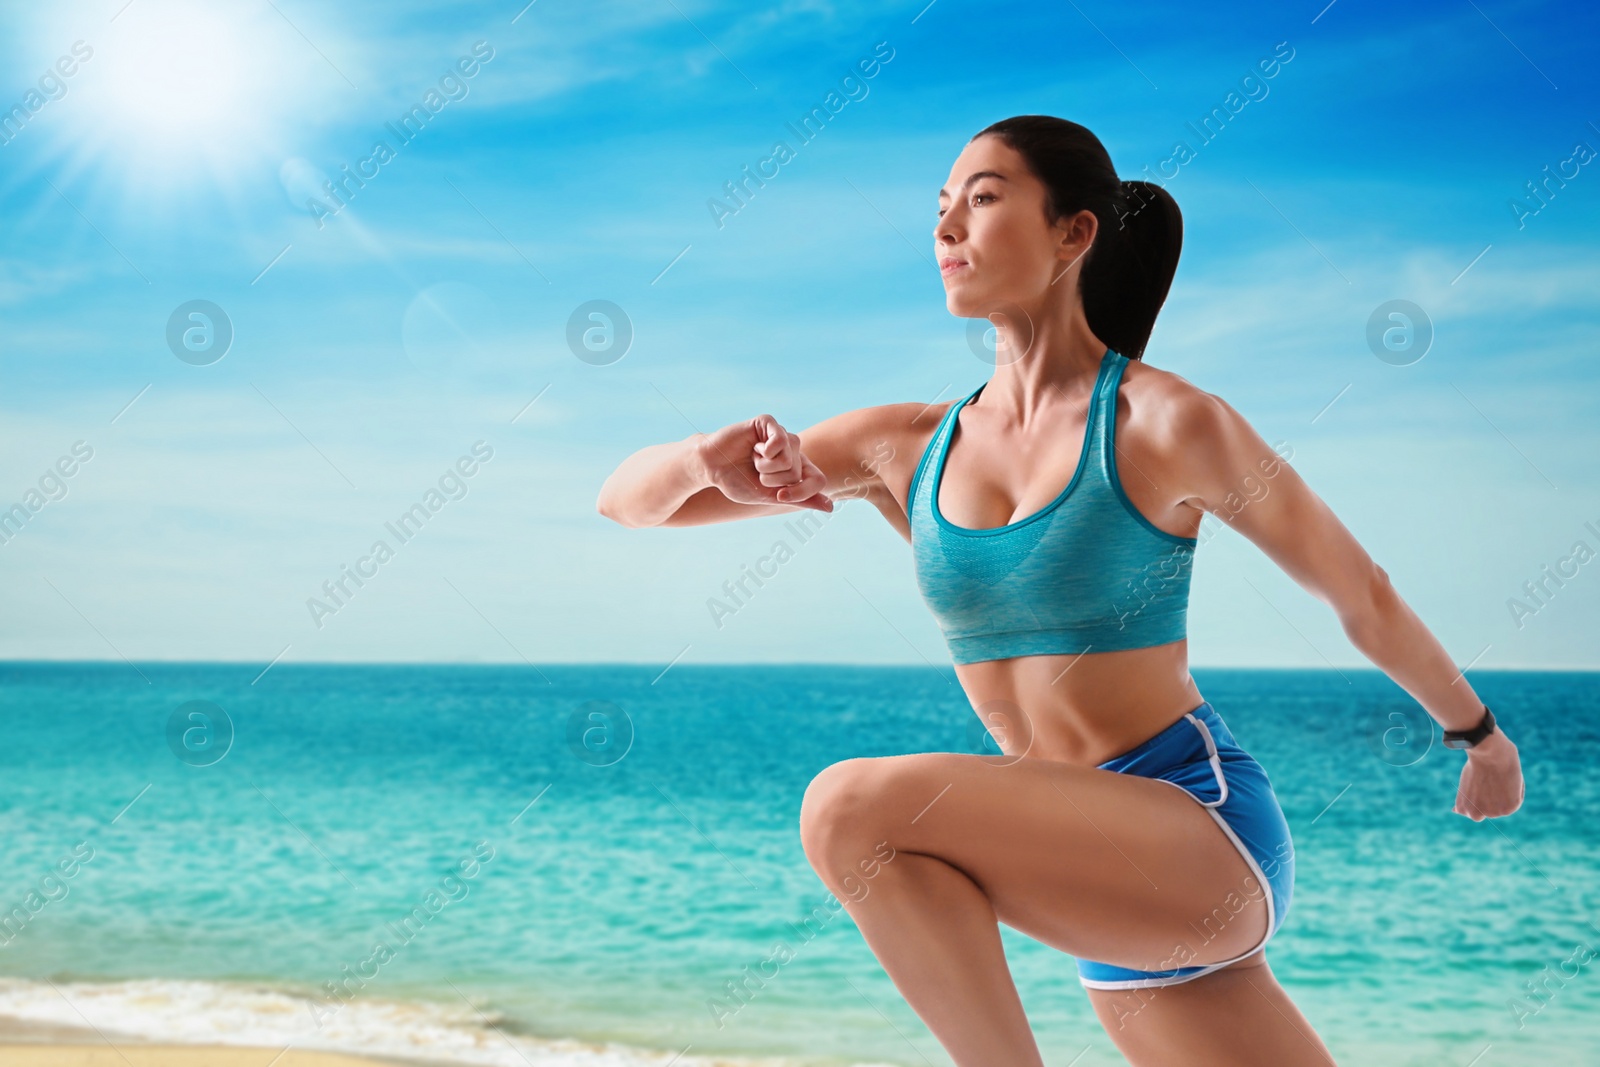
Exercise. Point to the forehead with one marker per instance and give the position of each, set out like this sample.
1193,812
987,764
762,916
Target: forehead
987,153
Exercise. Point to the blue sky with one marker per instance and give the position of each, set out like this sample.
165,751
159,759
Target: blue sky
374,346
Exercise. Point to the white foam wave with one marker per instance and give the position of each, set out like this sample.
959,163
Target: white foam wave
201,1012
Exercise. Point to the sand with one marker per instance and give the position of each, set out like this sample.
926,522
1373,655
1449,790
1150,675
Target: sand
33,1045
172,1056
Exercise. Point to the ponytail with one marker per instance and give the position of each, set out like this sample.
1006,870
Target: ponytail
1126,277
1128,271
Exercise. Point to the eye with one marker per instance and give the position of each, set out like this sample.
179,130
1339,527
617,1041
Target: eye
975,199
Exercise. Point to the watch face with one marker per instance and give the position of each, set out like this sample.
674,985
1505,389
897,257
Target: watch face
1455,742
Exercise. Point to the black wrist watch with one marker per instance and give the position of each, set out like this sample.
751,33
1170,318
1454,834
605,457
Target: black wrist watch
1470,738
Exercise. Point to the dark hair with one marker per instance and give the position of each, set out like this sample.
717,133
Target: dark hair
1127,273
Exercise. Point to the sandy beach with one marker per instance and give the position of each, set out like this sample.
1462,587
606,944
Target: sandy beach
156,1023
29,1045
172,1056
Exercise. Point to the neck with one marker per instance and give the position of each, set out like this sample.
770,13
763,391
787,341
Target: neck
1035,376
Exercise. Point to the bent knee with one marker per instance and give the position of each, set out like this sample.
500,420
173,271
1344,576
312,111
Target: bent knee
838,803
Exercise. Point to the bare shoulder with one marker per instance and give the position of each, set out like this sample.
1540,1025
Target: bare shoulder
1208,447
1217,462
1164,411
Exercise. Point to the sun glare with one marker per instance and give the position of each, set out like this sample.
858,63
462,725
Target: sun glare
176,74
172,97
183,85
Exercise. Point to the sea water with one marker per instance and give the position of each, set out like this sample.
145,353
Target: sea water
597,865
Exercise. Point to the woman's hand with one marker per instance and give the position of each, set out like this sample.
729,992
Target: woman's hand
759,462
1491,782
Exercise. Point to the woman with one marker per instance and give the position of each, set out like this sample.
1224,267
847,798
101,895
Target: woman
1064,612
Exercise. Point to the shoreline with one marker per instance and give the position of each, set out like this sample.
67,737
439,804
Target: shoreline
30,1044
202,1023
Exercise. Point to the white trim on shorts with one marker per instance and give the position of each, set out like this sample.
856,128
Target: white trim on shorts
1255,868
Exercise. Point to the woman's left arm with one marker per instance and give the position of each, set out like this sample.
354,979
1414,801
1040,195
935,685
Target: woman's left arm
1225,462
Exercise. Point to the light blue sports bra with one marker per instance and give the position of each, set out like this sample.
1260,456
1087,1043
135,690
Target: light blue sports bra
1086,573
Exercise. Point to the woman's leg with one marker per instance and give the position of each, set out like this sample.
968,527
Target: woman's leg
947,959
1105,866
1237,1015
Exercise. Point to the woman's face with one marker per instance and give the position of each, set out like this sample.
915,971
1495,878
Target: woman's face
994,245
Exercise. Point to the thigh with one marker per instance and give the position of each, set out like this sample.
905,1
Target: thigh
1238,1016
1105,866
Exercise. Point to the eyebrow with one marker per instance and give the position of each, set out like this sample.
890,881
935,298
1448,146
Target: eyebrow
975,176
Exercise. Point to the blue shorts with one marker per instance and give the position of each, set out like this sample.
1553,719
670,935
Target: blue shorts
1199,755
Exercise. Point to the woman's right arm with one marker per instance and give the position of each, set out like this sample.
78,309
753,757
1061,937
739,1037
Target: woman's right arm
651,485
753,468
745,469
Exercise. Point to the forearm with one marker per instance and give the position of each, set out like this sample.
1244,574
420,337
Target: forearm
1391,635
652,484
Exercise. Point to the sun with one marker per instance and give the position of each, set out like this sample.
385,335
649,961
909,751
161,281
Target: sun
179,85
178,74
170,98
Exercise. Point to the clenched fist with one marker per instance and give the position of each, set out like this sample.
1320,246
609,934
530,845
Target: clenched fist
759,462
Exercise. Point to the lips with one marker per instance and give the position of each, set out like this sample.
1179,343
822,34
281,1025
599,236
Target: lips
950,264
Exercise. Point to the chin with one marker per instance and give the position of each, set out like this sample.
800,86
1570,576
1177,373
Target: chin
967,305
959,301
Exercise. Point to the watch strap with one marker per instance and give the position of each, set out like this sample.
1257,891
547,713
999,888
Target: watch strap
1470,737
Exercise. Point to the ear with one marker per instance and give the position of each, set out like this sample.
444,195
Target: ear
1075,235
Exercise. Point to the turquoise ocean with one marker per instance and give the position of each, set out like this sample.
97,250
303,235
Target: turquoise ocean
574,864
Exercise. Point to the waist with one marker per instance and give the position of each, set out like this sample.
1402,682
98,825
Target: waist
1081,709
1177,741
